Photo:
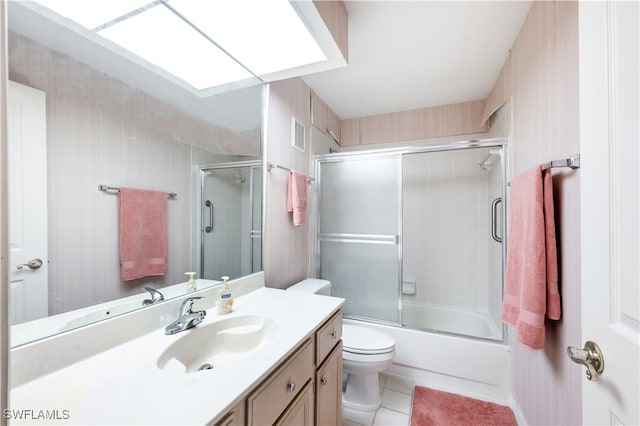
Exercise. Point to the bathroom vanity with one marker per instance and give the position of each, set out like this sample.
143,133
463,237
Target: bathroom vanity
305,389
276,359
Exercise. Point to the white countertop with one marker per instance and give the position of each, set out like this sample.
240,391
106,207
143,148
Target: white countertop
123,385
44,327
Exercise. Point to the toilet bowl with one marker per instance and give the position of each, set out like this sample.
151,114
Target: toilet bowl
365,353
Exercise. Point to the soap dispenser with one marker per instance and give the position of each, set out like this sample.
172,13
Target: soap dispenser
224,302
191,284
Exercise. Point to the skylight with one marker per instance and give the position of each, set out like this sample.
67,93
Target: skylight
91,14
264,36
166,41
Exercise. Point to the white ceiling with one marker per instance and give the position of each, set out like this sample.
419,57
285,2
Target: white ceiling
406,55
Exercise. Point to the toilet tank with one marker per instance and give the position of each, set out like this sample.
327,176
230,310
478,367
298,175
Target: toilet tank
313,285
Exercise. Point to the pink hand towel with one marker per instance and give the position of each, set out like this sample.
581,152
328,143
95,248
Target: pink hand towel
531,281
297,196
143,233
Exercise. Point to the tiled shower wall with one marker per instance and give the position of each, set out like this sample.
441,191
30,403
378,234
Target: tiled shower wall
446,228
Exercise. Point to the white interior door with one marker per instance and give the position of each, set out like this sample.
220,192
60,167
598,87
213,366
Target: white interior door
609,117
26,128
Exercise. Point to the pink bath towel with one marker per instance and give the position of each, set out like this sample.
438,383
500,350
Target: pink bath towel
297,196
531,281
143,233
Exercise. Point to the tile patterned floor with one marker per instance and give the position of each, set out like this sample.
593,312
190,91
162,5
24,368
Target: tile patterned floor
397,394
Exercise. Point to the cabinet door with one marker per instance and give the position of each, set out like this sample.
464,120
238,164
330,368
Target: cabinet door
329,389
300,412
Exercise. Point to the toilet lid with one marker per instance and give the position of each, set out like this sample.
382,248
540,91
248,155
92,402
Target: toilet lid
364,340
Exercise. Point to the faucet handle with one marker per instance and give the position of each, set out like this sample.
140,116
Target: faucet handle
156,296
187,304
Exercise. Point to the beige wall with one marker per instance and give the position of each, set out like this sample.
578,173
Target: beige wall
286,248
102,131
424,123
335,16
544,86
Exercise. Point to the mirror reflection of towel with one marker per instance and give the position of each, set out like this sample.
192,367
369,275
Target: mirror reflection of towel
143,233
297,196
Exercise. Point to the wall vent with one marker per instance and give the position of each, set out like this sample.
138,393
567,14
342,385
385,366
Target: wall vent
297,134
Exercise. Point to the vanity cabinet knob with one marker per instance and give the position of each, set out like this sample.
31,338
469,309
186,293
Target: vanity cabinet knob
334,334
291,387
324,380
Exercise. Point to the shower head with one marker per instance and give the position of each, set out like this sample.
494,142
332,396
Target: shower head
490,160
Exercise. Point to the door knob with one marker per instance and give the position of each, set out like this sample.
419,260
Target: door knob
32,264
591,357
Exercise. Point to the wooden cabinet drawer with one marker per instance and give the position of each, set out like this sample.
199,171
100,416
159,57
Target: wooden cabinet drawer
269,401
327,336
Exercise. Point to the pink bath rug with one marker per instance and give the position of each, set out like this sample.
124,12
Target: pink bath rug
432,407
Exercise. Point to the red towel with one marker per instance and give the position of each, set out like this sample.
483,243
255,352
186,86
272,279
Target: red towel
531,281
297,196
143,233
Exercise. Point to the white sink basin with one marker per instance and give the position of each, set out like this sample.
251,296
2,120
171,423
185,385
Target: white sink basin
202,347
102,314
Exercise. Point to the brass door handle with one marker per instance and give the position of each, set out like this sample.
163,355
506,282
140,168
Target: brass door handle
32,264
591,357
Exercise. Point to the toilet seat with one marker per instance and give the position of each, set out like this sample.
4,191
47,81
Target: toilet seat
366,341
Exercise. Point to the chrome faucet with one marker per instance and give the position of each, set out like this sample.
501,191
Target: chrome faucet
187,318
156,296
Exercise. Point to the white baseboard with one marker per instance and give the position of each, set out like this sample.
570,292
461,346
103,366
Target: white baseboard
516,411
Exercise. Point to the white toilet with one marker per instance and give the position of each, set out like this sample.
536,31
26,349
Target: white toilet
365,353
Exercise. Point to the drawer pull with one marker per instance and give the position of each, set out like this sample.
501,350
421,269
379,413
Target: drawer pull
334,334
291,387
324,380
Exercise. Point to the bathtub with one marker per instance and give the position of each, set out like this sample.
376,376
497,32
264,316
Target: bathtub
473,367
450,320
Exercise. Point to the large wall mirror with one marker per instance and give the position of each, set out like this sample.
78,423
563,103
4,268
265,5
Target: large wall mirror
85,112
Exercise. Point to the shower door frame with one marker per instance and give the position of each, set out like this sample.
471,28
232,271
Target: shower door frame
202,171
501,142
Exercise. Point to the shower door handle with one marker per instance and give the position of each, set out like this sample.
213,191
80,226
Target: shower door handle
494,220
209,228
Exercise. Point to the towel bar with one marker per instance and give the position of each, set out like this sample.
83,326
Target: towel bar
278,166
107,188
573,162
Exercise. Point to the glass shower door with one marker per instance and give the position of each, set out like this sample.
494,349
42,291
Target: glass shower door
231,234
358,235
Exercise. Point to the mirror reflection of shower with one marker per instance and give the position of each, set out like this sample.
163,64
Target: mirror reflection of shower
230,220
